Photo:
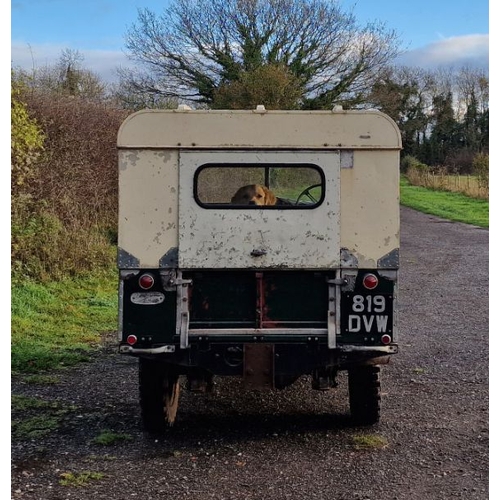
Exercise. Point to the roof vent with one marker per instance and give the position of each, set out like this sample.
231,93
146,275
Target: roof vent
261,108
183,107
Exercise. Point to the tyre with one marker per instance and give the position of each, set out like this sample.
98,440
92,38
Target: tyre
159,395
364,394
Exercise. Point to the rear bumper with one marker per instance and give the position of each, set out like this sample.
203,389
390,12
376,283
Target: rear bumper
167,349
284,360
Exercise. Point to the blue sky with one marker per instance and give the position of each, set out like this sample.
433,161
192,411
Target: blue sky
434,32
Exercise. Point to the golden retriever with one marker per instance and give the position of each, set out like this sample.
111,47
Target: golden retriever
254,194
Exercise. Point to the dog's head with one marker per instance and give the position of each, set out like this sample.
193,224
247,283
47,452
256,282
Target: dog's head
253,194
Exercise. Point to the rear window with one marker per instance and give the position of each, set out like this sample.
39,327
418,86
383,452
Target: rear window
297,186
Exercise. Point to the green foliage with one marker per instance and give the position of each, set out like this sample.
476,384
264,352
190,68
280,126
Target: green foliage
79,479
445,136
108,438
369,442
40,380
24,403
443,116
26,140
481,166
58,324
38,356
399,92
410,162
64,206
451,206
33,234
43,248
33,418
34,427
274,86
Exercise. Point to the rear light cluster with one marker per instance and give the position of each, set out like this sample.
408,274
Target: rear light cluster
370,281
146,282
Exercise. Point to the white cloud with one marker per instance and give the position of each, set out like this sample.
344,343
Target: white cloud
470,50
28,56
101,62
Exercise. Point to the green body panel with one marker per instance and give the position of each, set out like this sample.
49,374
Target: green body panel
151,324
230,300
250,299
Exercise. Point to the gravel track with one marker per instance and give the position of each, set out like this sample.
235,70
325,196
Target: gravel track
296,443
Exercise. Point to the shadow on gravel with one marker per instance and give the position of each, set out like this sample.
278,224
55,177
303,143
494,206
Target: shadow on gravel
250,427
230,415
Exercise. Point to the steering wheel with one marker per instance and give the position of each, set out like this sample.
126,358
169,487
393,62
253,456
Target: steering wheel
307,193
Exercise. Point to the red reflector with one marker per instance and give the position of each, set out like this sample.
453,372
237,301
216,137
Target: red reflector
146,281
385,339
131,339
370,281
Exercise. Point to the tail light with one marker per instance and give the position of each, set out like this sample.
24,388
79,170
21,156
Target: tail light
146,281
131,339
370,281
385,339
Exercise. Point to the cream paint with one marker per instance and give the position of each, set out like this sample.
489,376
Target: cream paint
292,239
148,204
214,129
370,206
151,144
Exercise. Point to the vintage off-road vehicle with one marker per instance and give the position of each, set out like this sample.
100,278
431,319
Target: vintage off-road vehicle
266,293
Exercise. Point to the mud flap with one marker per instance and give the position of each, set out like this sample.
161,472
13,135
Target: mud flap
258,366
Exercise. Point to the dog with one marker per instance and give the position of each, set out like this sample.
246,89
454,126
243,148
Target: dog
254,194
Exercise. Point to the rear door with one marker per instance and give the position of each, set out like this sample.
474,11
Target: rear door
304,233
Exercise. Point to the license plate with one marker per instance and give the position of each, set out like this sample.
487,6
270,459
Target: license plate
366,314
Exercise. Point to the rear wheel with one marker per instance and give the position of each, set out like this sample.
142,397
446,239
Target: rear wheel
364,394
159,395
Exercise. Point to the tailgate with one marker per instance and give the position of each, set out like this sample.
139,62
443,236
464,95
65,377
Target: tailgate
221,236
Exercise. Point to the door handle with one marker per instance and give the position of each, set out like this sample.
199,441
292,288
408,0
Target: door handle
258,252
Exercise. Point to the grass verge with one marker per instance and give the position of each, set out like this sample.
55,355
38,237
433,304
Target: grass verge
452,206
59,323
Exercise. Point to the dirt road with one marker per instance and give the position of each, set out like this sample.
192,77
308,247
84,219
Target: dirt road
431,443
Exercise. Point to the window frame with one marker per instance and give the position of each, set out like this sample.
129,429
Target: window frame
266,167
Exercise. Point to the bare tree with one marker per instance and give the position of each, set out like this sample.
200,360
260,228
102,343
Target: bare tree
443,115
128,94
472,84
472,88
196,46
404,93
66,77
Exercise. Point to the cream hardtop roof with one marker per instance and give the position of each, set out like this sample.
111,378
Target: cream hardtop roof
184,128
